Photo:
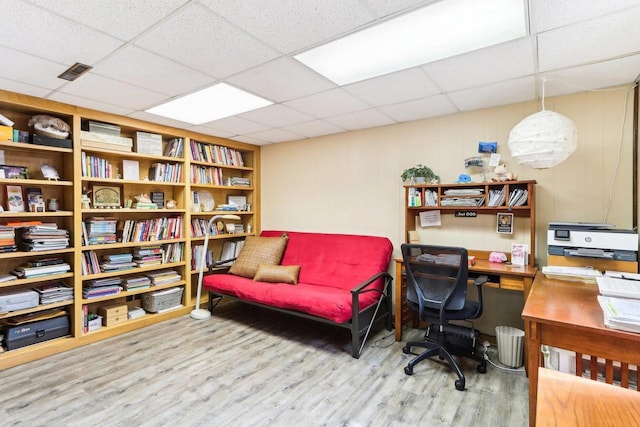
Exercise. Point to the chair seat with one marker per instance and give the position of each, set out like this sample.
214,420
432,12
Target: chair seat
468,311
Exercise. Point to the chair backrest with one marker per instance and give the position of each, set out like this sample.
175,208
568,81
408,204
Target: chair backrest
436,276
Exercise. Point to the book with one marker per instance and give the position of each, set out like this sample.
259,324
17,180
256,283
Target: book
131,170
15,199
35,200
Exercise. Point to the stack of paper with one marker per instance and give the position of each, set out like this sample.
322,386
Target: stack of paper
578,274
620,300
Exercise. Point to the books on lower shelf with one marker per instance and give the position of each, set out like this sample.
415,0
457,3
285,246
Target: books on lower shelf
620,300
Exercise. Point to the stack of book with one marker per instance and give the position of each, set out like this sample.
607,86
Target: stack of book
7,239
164,277
620,300
117,262
40,269
148,255
43,237
239,181
102,287
136,282
54,292
100,230
136,312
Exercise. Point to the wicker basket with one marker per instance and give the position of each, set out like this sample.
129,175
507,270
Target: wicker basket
165,299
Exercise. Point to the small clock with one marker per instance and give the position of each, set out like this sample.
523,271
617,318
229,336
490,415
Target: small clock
220,227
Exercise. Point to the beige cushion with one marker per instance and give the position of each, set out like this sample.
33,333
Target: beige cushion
277,273
256,251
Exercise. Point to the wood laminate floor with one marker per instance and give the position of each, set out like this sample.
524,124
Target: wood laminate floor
249,366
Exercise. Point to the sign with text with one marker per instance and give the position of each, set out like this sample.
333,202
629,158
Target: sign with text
466,214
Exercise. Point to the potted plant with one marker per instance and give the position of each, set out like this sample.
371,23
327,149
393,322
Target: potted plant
419,174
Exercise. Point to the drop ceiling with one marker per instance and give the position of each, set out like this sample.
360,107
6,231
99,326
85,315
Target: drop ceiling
144,53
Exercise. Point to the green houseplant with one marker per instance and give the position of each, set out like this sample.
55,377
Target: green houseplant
419,173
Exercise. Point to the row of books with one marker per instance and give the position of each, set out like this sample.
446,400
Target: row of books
140,257
620,300
165,172
215,154
206,175
174,148
96,167
152,229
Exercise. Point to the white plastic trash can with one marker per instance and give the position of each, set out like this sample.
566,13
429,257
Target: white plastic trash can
510,345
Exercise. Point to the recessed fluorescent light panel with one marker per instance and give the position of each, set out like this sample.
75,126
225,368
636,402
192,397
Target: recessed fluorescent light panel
437,31
213,103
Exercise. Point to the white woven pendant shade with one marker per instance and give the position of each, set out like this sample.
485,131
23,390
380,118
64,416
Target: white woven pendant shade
543,140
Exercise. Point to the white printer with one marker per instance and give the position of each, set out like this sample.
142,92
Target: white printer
580,243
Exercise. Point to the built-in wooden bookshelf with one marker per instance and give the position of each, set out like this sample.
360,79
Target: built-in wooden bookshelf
89,167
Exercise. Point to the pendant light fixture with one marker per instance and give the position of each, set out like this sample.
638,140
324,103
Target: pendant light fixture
544,139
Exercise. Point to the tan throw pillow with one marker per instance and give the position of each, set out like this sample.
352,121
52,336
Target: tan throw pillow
278,273
256,251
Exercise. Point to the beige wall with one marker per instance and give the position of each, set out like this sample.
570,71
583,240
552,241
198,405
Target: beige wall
350,182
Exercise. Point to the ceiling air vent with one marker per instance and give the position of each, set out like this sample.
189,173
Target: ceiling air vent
75,71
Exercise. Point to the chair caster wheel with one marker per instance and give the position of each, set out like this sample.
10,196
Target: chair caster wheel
482,369
460,385
408,370
406,349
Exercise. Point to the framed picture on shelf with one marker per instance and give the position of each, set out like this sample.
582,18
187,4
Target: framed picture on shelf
20,172
106,196
505,223
49,172
15,199
35,200
238,201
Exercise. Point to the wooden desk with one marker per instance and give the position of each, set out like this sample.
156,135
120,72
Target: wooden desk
502,276
568,400
567,315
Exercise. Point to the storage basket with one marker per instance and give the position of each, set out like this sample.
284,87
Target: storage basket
165,299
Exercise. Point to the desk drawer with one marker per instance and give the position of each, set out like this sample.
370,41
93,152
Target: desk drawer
515,283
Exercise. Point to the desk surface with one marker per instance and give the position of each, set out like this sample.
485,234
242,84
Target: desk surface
567,315
568,400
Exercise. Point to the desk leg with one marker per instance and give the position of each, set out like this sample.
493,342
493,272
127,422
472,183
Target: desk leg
398,302
534,360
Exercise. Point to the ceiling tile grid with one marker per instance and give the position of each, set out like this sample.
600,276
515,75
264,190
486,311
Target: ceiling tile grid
146,53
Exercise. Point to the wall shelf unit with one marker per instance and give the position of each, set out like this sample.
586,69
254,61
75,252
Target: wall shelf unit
91,165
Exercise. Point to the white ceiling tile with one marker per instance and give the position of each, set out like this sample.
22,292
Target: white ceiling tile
31,69
549,14
249,140
388,7
281,80
33,30
591,77
121,18
290,25
502,93
276,116
591,41
434,106
209,131
327,104
89,103
275,135
314,128
394,88
492,64
112,92
236,125
200,39
361,120
27,89
153,118
142,68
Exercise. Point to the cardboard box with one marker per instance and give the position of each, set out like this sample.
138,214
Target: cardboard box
148,143
113,314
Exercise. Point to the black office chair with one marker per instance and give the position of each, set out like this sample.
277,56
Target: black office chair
437,278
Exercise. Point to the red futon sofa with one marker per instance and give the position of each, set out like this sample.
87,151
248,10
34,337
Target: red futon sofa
333,278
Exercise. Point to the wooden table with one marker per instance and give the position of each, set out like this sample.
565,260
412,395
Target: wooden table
567,315
502,276
568,400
